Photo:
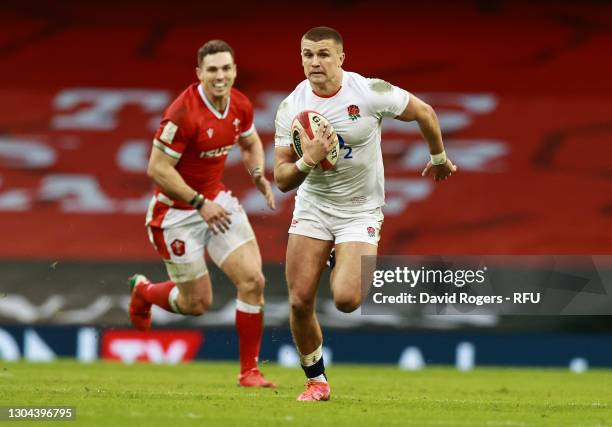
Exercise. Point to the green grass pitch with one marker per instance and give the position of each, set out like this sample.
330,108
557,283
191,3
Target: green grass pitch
205,394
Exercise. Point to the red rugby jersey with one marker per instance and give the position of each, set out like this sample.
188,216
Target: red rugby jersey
200,137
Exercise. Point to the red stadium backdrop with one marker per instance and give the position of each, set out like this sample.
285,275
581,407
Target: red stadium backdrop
523,93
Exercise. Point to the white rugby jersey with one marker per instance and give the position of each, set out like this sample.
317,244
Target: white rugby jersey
356,112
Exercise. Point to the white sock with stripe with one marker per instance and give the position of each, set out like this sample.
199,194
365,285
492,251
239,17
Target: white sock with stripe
172,297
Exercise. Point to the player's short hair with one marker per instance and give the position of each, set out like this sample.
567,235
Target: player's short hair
317,34
213,46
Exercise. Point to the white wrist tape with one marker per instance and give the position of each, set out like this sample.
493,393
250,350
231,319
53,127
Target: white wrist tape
256,172
303,166
438,159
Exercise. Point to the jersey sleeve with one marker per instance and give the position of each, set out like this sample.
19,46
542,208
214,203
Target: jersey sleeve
282,137
247,126
386,99
172,135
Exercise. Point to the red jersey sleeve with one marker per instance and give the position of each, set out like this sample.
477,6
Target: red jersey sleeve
247,127
172,135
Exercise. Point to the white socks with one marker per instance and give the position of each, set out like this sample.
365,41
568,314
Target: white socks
321,378
312,364
172,296
312,358
248,308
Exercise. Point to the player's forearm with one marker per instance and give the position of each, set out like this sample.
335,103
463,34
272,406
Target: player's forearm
430,128
171,183
288,177
253,159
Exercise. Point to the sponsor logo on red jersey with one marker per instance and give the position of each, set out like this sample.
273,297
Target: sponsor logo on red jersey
217,152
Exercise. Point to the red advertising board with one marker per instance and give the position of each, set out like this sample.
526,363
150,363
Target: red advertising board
156,346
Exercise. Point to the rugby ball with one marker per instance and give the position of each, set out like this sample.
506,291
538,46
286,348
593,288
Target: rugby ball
309,122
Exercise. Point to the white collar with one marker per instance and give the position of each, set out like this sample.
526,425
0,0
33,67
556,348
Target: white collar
212,107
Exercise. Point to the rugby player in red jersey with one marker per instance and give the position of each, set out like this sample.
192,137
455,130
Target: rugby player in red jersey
192,210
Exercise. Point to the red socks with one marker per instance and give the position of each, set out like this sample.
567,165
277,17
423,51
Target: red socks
249,324
249,321
158,293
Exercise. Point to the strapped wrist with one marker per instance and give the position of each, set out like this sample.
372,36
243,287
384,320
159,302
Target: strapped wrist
256,173
198,201
438,159
303,166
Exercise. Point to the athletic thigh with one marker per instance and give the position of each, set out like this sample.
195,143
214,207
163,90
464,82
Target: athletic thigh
243,264
306,259
196,291
346,276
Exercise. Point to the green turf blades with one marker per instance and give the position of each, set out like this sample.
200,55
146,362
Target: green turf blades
364,395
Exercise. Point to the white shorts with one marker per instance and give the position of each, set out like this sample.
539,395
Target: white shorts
184,235
311,221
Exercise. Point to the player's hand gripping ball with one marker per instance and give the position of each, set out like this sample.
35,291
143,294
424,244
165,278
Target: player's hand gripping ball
308,122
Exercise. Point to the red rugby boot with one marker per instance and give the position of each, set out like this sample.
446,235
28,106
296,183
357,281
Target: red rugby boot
315,391
140,309
254,378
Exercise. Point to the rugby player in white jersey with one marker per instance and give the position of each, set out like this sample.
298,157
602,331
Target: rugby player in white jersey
339,208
